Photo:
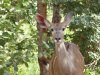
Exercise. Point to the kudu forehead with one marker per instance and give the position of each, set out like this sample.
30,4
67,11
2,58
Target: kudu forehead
57,30
57,26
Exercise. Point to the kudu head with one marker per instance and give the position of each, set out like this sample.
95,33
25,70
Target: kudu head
57,29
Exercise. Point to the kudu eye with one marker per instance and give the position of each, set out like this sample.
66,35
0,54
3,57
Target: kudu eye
52,29
63,29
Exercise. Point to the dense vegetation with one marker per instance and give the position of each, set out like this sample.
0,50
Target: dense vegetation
18,34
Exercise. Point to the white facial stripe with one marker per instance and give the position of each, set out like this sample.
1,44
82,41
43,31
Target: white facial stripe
47,66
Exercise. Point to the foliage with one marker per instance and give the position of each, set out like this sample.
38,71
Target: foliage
86,30
92,70
17,34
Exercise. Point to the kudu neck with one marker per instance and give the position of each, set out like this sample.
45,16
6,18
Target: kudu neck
61,56
60,46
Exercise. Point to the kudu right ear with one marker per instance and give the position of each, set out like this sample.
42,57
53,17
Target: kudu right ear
42,21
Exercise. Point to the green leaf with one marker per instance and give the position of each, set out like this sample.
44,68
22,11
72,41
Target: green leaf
2,42
87,72
15,67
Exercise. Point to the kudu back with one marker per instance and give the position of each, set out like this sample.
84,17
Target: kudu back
67,59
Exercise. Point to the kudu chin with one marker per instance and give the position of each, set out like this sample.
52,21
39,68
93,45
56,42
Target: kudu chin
67,59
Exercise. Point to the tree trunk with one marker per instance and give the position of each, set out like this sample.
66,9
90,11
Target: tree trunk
41,9
56,13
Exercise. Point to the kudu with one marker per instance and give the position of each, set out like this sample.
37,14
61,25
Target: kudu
67,59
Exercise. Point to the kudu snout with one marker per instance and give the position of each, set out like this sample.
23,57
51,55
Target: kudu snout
57,39
57,36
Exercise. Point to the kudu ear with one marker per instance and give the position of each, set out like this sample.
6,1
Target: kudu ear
42,21
68,18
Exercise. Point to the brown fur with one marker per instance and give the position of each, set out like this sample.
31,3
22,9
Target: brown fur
55,67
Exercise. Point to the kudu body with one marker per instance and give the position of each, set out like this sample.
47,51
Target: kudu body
67,59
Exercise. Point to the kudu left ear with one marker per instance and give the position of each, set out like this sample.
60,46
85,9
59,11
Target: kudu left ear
41,20
68,18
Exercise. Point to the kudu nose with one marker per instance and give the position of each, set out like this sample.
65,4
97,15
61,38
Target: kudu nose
57,39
